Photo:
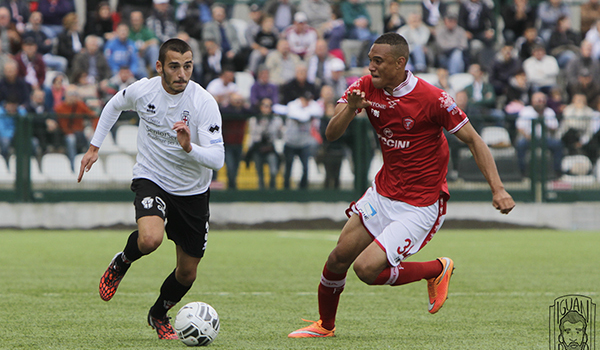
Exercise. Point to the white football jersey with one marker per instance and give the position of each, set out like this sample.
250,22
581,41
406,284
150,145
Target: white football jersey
160,157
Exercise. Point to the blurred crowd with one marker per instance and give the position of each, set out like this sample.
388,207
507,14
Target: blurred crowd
278,72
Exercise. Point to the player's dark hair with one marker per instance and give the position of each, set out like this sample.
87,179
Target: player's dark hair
174,44
397,42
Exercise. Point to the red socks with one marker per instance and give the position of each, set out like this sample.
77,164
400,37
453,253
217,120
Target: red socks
408,272
332,284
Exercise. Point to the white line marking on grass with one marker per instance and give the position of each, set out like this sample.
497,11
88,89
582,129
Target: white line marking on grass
304,235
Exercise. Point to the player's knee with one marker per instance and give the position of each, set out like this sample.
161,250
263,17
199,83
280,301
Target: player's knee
185,276
149,243
338,262
364,273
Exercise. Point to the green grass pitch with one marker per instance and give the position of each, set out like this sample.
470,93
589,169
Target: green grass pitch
263,282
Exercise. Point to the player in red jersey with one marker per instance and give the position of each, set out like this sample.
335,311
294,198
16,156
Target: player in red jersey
406,205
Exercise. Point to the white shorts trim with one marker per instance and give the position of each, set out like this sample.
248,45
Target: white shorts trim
400,229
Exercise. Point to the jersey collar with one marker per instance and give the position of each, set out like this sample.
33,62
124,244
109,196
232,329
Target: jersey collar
405,87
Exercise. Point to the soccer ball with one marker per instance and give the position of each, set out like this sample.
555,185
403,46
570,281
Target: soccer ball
197,324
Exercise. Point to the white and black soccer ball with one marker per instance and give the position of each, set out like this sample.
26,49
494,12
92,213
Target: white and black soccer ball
197,324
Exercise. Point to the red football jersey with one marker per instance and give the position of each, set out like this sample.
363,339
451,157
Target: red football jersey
409,127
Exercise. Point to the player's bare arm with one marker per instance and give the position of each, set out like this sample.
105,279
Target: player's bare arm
89,158
183,135
344,114
502,200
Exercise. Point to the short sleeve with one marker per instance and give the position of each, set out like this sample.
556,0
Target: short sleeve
447,112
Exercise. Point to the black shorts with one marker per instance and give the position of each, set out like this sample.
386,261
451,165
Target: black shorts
186,216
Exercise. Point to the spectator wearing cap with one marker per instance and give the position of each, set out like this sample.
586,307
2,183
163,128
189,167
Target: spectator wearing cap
282,11
222,32
301,37
319,65
192,15
282,63
299,137
31,64
255,17
121,51
542,70
317,12
298,86
35,30
262,89
585,85
162,20
262,43
337,79
451,44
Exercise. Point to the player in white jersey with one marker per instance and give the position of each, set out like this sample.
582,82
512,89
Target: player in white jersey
179,146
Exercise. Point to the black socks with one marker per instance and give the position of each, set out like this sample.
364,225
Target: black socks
171,293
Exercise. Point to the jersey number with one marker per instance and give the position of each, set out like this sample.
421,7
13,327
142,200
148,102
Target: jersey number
404,250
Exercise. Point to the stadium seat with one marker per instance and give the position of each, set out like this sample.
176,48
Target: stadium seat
576,165
119,167
127,139
506,162
244,81
7,178
431,78
459,81
34,169
108,146
241,27
496,136
57,168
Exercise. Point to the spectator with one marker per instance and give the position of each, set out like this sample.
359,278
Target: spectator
161,20
505,65
46,131
70,114
100,22
8,112
517,17
117,82
11,39
263,89
297,87
334,32
331,154
548,12
235,115
317,12
556,102
451,42
192,15
263,130
69,40
358,27
542,70
593,36
583,61
282,11
255,17
578,126
19,12
585,85
443,81
301,37
126,7
538,110
282,63
56,93
319,64
13,85
92,61
393,19
482,100
417,35
299,139
337,81
53,12
35,30
221,31
433,12
31,65
527,42
564,42
196,52
264,42
145,41
517,97
479,22
88,91
223,87
121,51
589,14
213,62
4,57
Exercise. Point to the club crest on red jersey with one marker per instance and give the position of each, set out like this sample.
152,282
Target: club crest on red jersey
408,123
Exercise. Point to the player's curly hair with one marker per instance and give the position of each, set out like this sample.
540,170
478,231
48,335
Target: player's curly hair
174,44
397,42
